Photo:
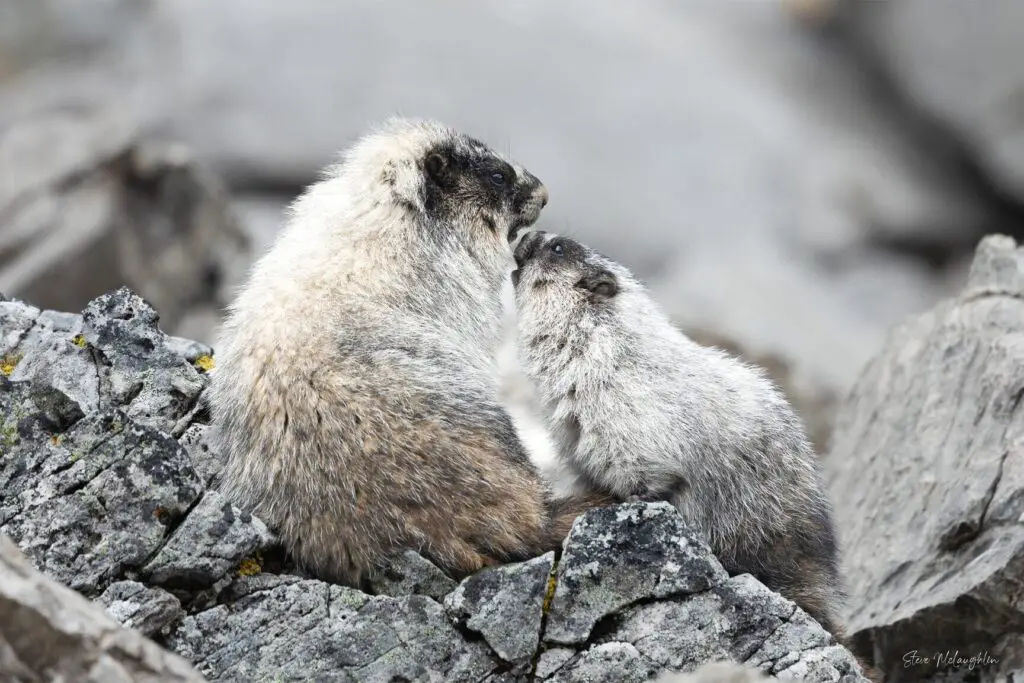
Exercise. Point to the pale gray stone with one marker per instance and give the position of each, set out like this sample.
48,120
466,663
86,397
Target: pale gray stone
148,610
505,605
51,633
928,488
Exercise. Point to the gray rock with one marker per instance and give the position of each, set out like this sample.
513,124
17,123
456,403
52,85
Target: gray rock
114,354
137,368
552,659
412,574
600,570
213,540
91,205
961,68
928,490
94,502
16,319
206,459
102,496
51,633
150,611
188,349
738,620
612,662
314,631
505,605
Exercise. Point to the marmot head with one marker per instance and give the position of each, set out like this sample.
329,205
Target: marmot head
452,181
564,289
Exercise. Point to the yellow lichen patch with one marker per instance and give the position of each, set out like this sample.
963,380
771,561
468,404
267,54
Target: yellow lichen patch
79,341
9,362
549,594
249,567
205,363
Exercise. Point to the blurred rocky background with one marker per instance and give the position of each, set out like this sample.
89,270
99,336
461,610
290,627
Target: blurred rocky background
791,178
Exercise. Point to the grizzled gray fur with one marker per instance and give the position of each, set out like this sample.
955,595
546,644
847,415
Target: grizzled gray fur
638,409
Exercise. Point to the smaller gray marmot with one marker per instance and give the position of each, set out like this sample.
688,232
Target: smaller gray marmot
639,410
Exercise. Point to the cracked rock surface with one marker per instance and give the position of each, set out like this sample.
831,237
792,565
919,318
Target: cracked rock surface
108,485
48,632
927,474
148,610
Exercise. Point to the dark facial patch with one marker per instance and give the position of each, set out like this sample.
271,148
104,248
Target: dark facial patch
562,253
456,178
527,247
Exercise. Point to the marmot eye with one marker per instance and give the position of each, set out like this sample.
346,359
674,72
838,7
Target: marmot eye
498,178
558,248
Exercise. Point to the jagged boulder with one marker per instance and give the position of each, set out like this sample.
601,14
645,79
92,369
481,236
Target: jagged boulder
90,202
48,632
927,473
961,68
107,483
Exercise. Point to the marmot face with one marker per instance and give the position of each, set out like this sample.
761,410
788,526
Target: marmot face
464,175
560,283
461,191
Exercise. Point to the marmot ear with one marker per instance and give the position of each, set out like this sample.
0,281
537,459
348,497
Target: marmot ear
601,285
437,168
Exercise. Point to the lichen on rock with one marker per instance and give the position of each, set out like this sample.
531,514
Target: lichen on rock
110,487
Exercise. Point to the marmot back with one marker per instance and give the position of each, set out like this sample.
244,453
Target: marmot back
638,409
356,396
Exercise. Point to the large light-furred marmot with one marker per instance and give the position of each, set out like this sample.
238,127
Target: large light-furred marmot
637,409
356,393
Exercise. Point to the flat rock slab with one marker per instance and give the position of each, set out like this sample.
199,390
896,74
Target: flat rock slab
51,633
412,574
927,474
737,620
311,630
619,555
150,611
506,606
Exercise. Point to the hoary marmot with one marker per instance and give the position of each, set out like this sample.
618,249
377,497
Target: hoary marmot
639,410
356,394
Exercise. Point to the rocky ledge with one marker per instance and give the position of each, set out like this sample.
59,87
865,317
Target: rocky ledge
108,486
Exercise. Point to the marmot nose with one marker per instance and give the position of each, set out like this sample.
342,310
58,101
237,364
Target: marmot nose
542,194
527,247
